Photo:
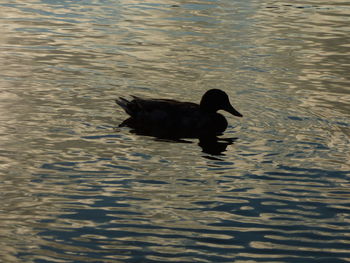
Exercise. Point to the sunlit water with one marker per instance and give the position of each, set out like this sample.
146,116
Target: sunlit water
75,188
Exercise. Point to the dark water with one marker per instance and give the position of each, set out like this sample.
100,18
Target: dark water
75,189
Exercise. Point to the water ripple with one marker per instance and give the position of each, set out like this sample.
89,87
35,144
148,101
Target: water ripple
75,188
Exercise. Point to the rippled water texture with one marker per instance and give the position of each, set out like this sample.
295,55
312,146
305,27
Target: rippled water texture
75,188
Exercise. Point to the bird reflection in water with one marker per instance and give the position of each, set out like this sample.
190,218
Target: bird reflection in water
210,144
215,145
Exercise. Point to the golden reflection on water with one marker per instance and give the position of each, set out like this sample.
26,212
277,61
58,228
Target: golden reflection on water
66,170
318,53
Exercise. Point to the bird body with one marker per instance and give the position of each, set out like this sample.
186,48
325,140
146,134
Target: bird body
166,118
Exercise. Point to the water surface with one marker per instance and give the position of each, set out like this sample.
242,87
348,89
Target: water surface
75,188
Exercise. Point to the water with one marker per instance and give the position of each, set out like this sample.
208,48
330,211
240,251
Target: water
74,188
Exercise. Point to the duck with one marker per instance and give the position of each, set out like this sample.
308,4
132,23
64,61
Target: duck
172,119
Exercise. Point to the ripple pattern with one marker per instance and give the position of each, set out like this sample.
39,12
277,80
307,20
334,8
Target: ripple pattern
77,188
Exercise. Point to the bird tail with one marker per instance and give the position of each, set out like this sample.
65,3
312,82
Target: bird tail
132,107
125,104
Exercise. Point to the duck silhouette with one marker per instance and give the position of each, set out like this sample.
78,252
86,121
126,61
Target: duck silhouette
172,119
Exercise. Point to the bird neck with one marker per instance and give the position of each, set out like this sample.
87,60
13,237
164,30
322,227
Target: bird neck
205,106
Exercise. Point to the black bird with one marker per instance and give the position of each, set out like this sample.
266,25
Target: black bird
171,119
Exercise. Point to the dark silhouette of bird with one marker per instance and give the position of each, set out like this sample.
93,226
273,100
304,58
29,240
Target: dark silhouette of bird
172,119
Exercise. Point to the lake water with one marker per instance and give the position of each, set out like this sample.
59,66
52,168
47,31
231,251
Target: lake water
75,188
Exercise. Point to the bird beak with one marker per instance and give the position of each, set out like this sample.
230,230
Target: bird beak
233,111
